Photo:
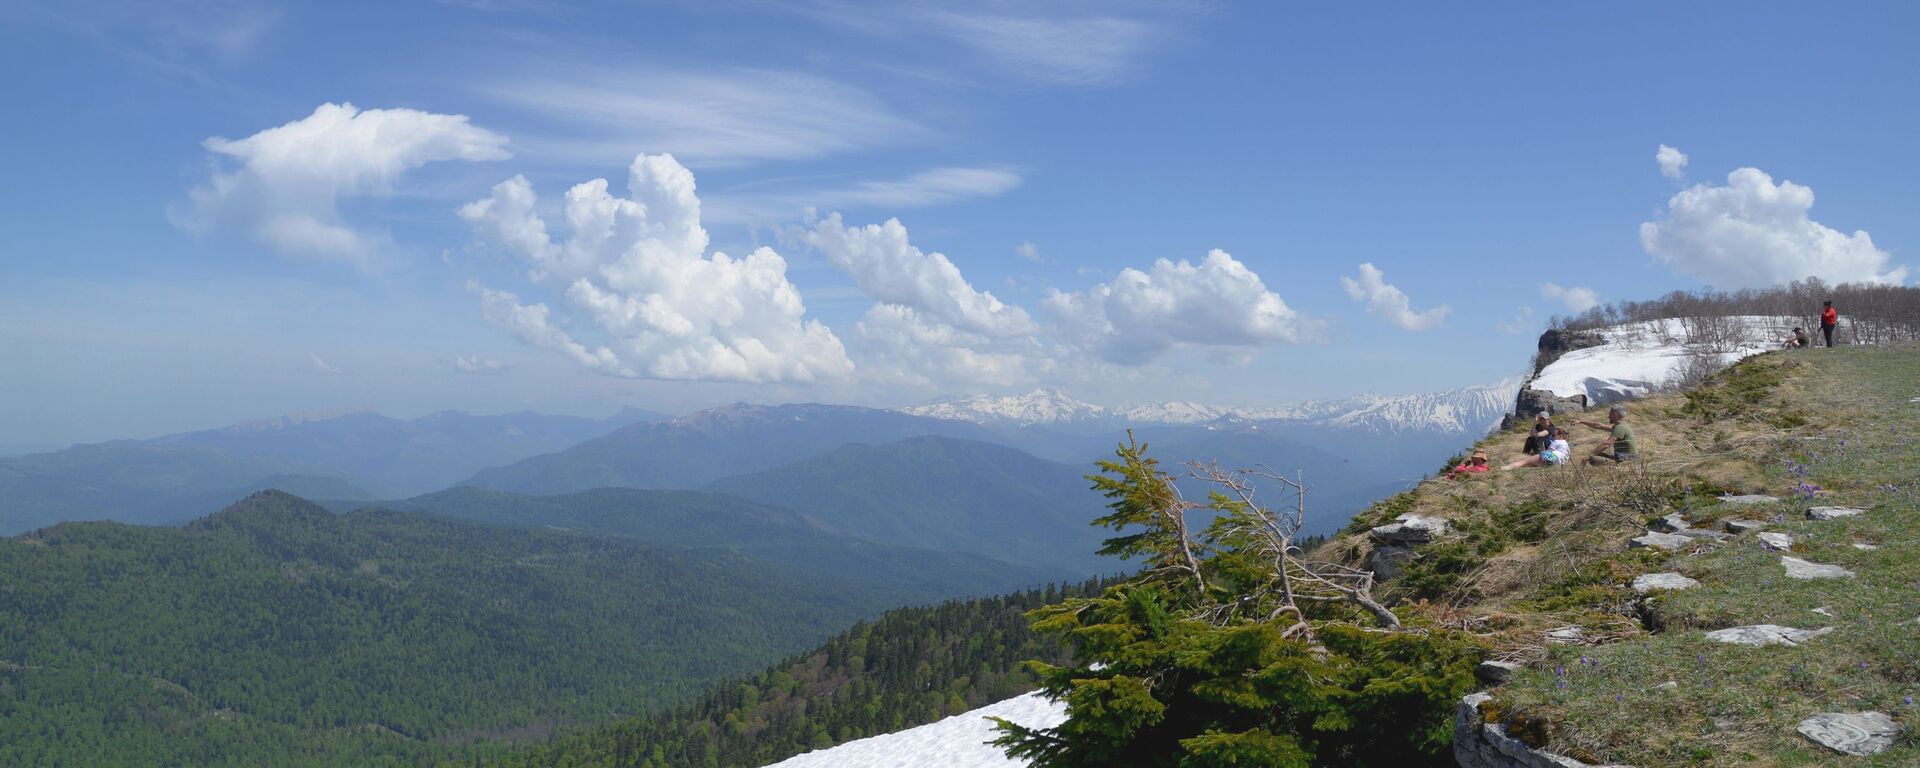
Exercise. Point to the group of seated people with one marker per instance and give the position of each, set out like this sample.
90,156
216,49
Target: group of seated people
1547,445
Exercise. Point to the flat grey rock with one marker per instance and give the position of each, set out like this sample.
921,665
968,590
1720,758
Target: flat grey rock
1659,540
1672,523
1748,498
1801,569
1480,744
1851,733
1742,526
1567,635
1865,547
1777,542
1658,581
1411,529
1765,634
1389,561
1702,533
1496,672
1823,610
1833,513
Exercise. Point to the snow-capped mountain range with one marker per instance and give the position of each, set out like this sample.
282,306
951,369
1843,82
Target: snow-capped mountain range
1465,410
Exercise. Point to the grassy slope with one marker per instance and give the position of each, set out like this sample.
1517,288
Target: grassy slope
1544,548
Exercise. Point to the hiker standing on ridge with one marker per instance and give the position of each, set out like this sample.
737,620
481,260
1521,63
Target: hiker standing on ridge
1620,438
1828,319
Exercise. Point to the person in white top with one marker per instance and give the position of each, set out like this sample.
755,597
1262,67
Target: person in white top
1557,452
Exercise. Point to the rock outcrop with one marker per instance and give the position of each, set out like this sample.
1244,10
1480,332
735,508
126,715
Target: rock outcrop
1393,543
1480,744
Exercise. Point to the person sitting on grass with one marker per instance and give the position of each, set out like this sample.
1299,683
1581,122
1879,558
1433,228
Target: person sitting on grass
1539,434
1799,339
1557,452
1620,445
1475,464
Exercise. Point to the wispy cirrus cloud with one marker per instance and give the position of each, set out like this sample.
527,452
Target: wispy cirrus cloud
1073,44
600,115
931,187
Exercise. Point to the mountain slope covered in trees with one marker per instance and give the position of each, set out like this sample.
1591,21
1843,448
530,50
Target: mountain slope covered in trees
910,666
695,450
943,493
277,633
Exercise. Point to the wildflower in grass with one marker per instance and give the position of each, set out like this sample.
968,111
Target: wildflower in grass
1907,701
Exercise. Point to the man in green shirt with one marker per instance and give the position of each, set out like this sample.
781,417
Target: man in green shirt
1620,445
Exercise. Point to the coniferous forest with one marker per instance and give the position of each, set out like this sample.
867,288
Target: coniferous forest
909,667
276,633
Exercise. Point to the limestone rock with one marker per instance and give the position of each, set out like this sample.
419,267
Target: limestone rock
1801,569
1496,672
1748,498
1660,540
1865,547
1777,542
1742,526
1851,733
1567,635
1672,523
1766,634
1389,562
1658,581
1480,744
1410,529
1833,513
1702,533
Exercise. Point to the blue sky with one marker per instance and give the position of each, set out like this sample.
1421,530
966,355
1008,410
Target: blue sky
200,231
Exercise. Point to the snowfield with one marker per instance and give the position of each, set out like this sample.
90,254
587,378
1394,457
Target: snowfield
1640,358
956,742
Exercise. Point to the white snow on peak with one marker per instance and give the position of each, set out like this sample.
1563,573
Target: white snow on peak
1466,409
960,741
1041,406
1640,358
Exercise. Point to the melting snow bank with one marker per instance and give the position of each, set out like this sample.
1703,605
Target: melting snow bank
956,742
1639,358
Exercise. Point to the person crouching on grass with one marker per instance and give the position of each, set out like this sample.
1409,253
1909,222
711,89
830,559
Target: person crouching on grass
1474,465
1621,445
1558,451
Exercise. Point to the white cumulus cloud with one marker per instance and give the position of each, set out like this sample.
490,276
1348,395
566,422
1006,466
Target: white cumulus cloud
322,366
1139,315
638,269
1753,233
479,365
900,345
889,268
1521,323
1576,298
282,186
1390,302
1027,250
1673,162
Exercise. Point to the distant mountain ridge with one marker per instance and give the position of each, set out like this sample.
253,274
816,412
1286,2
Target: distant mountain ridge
694,450
1472,409
360,455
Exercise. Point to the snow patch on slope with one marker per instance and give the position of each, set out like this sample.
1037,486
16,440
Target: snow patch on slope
1639,358
956,742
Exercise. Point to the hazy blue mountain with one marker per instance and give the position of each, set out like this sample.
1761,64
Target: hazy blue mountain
765,533
403,457
356,456
945,493
275,628
692,451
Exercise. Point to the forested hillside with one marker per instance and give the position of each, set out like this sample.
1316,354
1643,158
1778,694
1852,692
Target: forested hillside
277,633
943,493
909,667
694,450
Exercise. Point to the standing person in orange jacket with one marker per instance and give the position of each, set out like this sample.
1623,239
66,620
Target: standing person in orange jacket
1828,319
